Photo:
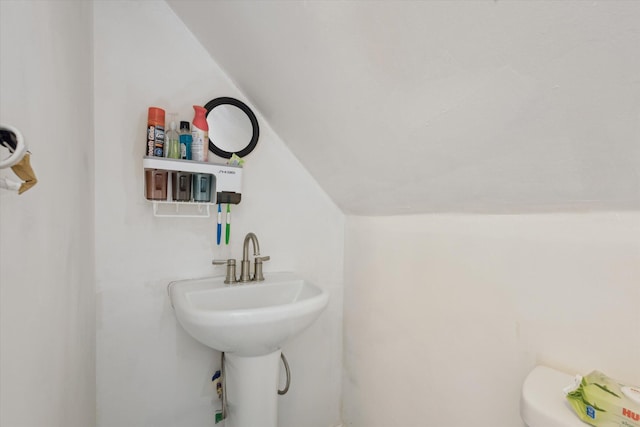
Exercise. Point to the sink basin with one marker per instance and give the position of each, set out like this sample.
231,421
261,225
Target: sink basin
248,319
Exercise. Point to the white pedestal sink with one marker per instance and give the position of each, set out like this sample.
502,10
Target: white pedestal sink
249,322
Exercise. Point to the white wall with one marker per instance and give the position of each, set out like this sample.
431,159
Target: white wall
47,291
149,371
445,315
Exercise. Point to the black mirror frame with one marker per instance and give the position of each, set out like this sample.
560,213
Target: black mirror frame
254,124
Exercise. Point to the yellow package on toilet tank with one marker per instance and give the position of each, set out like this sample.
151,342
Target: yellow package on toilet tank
603,402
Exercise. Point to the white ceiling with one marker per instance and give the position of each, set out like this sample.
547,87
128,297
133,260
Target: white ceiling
443,106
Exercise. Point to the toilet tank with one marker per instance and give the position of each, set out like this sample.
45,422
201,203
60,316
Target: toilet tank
543,403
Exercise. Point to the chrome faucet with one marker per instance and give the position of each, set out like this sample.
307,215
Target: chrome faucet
245,264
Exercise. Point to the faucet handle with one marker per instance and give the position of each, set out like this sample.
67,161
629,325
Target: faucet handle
258,276
231,269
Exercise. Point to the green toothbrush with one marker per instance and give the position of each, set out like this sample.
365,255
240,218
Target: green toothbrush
228,226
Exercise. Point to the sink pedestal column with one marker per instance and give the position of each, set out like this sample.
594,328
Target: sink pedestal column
252,390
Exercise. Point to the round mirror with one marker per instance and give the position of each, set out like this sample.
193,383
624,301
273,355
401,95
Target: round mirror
233,128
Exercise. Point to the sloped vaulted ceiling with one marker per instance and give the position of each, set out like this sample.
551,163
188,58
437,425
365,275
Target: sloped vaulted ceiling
443,106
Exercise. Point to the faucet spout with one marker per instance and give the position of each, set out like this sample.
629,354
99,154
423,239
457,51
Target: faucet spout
245,264
245,247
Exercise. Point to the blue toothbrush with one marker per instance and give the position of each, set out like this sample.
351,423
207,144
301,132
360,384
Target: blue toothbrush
219,224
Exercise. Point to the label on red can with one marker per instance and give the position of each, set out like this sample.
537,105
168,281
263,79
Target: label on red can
155,141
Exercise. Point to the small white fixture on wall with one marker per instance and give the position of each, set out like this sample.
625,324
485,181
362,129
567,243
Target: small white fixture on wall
18,160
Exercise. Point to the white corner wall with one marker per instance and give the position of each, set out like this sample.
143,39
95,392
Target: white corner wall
47,287
149,371
445,314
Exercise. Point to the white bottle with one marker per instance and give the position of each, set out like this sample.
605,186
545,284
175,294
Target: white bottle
200,132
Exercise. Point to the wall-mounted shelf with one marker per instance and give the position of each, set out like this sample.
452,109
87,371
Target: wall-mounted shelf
228,186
